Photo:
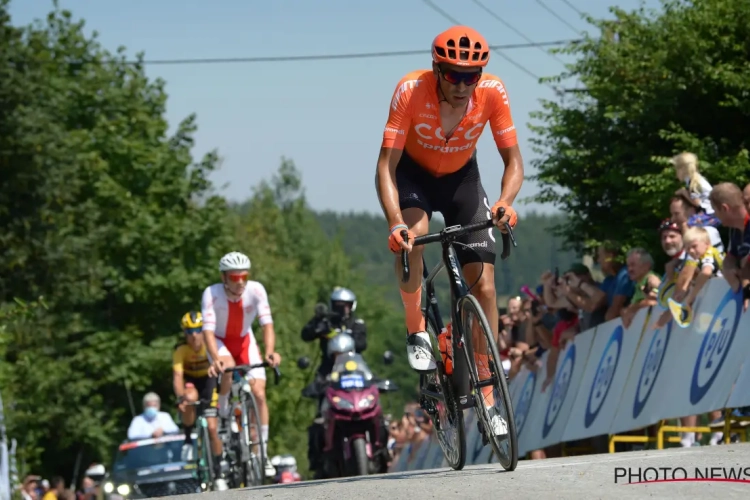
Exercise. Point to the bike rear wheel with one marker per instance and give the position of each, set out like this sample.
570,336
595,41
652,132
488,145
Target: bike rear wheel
254,472
474,321
447,417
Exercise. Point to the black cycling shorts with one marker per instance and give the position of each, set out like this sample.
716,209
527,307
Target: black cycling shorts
459,197
206,387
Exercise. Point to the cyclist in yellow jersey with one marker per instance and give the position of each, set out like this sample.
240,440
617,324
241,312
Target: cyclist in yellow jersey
191,381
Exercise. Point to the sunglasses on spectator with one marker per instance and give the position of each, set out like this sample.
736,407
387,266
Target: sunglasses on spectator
237,277
455,77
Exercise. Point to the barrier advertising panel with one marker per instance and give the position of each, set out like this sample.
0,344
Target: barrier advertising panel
611,379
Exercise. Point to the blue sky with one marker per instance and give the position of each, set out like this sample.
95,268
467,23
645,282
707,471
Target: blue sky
327,116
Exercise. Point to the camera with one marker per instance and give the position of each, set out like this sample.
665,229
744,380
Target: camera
535,307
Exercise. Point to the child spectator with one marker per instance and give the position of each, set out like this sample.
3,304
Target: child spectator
698,188
697,243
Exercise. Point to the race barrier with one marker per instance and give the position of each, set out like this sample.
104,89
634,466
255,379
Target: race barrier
611,379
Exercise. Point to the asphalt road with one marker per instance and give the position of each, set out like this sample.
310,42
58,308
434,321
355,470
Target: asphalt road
589,476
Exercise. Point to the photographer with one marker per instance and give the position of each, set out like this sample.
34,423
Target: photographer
342,305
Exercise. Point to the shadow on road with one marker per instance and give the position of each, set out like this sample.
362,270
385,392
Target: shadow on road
434,473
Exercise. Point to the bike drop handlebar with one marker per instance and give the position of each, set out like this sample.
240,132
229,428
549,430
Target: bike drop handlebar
246,368
456,232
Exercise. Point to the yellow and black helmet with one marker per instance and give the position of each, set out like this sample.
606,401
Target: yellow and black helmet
192,320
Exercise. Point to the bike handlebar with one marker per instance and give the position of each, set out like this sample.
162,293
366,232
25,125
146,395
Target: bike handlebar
456,232
246,368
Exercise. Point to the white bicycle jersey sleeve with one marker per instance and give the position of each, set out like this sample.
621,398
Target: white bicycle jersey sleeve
208,311
263,308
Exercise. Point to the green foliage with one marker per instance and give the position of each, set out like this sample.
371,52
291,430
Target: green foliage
669,81
110,220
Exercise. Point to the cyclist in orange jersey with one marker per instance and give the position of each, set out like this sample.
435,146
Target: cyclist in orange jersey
428,163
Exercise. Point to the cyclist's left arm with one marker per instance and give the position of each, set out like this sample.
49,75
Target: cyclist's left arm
504,133
266,321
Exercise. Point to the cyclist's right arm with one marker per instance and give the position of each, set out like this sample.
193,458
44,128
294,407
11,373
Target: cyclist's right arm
394,137
209,324
178,379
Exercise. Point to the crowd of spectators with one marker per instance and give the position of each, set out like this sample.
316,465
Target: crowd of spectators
34,487
564,305
408,433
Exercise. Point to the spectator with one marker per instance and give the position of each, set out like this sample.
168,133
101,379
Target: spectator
698,188
698,246
538,331
746,197
567,326
726,198
152,422
682,208
581,290
646,282
29,487
512,331
678,271
57,487
617,285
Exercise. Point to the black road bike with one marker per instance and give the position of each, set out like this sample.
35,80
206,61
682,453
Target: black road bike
249,446
445,396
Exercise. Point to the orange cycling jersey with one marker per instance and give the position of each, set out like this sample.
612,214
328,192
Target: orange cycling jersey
414,122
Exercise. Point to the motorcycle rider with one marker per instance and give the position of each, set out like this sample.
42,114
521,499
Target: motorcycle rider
341,306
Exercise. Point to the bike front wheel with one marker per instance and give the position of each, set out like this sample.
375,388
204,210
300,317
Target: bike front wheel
205,458
447,416
254,470
491,392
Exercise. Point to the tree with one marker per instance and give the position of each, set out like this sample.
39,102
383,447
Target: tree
657,83
110,220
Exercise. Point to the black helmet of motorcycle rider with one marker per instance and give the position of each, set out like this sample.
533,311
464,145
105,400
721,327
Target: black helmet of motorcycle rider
343,301
340,344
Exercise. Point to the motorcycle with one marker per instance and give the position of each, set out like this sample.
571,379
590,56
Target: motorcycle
356,439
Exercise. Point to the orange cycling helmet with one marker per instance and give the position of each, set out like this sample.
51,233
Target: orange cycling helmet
462,46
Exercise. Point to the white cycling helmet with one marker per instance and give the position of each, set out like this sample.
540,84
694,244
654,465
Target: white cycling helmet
234,261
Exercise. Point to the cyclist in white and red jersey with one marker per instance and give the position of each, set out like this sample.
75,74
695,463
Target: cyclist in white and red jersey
229,309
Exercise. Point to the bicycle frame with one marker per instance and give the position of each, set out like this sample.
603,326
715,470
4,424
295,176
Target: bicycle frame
461,378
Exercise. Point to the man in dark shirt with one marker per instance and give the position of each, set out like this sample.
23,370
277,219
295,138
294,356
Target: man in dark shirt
729,208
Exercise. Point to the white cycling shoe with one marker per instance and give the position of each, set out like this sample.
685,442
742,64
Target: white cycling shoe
419,352
498,423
